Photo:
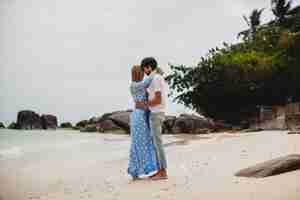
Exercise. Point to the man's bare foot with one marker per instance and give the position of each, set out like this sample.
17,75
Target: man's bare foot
164,172
161,171
160,175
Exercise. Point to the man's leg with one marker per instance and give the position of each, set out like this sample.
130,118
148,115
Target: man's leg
156,120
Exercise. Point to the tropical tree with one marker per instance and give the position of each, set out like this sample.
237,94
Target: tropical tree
293,19
253,21
280,9
232,81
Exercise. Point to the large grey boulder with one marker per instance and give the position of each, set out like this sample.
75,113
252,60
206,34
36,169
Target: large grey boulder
108,122
221,126
94,120
80,124
12,125
168,123
89,128
2,125
272,167
28,119
293,122
191,124
294,132
66,125
107,125
49,121
120,118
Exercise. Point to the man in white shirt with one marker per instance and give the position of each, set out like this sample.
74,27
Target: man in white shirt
156,104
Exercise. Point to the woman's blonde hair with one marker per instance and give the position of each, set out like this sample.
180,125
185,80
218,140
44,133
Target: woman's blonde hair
137,74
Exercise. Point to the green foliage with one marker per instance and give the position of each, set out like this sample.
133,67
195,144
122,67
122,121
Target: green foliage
293,20
280,9
232,81
253,21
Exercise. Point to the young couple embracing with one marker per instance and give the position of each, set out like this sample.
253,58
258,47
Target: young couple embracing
147,155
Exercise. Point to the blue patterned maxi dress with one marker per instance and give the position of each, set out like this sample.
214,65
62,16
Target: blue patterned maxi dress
142,159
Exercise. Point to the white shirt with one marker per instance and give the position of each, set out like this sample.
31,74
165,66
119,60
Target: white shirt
158,84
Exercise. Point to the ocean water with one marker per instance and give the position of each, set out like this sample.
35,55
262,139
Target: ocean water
56,144
37,162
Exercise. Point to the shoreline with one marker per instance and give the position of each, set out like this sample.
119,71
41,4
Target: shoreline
93,166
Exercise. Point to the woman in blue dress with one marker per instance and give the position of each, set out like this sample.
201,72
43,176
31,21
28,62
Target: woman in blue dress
142,159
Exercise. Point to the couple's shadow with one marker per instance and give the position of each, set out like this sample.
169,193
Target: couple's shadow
146,180
185,140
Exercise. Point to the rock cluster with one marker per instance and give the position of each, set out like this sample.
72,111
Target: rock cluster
272,167
49,121
293,122
184,123
2,125
12,125
120,121
28,120
66,125
106,123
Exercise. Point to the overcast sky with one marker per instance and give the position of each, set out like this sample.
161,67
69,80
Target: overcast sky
73,58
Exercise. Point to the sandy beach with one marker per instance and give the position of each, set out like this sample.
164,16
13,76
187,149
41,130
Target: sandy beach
69,166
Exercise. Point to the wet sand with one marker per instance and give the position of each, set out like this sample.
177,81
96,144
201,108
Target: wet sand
93,166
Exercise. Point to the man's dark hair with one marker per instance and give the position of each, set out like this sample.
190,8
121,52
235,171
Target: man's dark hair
149,61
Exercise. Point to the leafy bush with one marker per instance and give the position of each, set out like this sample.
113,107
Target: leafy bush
232,81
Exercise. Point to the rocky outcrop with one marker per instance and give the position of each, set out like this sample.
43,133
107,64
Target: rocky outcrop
49,121
167,127
293,122
294,132
12,125
66,125
202,131
221,126
94,120
100,125
89,128
185,123
272,167
121,119
118,120
106,125
28,119
81,124
191,124
2,125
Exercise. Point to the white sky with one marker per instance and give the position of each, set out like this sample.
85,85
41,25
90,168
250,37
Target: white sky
73,58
